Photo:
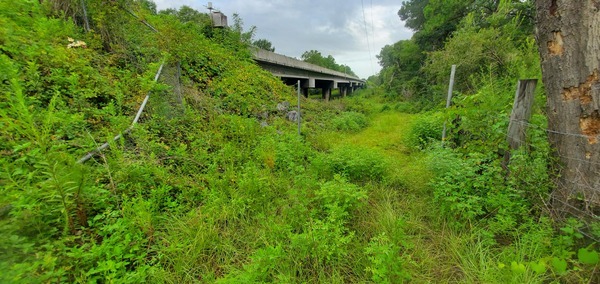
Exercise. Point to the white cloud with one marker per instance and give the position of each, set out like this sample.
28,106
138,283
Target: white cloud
333,27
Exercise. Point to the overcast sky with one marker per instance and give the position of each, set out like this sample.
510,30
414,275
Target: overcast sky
333,27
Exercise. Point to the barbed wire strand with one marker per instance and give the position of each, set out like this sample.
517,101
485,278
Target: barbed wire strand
553,198
129,129
554,131
144,102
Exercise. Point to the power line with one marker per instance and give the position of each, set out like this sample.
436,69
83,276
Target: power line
367,34
372,24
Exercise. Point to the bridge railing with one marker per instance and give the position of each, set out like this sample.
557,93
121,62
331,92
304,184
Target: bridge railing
279,59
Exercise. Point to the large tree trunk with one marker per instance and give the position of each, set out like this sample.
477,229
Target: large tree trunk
568,34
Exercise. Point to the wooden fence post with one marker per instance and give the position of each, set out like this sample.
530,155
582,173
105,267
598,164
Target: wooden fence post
519,118
521,113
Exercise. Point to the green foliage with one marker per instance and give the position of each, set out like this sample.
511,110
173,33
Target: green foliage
218,186
442,19
358,164
264,44
386,263
315,57
434,21
412,13
340,195
401,64
425,130
350,122
480,37
492,52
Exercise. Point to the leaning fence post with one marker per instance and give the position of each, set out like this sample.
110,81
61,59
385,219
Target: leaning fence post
449,99
519,118
521,112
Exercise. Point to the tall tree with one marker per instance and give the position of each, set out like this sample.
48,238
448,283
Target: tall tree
569,46
238,27
401,63
264,44
412,14
315,57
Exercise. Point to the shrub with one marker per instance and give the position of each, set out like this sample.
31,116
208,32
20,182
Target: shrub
425,129
405,107
340,193
385,263
358,164
350,122
474,188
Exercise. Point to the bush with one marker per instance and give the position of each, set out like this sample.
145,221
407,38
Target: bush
405,107
475,188
350,122
340,193
425,129
386,265
286,153
357,164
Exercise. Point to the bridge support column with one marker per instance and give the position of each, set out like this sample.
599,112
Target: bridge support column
343,91
326,91
305,92
327,87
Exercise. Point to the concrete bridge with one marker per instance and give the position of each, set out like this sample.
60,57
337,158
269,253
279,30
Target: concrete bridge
290,70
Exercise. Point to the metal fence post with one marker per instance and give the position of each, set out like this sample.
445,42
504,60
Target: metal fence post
449,99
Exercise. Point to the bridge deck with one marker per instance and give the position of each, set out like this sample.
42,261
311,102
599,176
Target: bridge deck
284,66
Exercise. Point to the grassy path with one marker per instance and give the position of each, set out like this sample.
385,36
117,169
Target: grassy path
405,199
433,248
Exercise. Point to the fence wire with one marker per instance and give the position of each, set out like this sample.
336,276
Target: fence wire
560,207
169,74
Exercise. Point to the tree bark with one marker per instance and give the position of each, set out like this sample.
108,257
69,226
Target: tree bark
568,35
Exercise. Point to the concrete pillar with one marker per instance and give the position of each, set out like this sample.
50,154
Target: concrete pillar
326,93
343,91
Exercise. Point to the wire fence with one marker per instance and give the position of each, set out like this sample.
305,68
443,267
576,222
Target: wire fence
169,74
573,205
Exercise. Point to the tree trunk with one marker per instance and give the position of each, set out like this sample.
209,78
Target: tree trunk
568,34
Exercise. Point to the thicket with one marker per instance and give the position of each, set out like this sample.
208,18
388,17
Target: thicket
504,205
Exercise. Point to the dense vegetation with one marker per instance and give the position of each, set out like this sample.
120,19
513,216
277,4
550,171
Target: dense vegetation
315,57
504,206
216,186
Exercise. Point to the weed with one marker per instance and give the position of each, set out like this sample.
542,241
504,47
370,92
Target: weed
350,122
358,164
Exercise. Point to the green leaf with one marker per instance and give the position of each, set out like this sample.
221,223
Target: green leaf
587,257
568,230
18,148
517,267
539,267
560,265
